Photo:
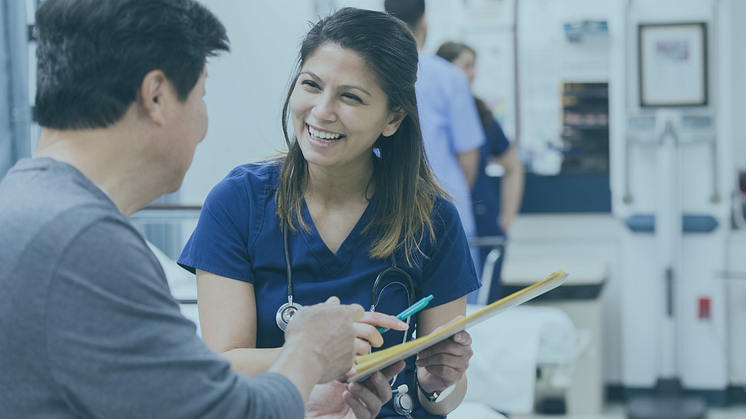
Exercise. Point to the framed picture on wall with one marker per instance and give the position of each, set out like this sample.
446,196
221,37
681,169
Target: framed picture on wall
672,61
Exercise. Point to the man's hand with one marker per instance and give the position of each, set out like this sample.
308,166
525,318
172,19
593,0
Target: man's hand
320,344
361,400
326,334
337,400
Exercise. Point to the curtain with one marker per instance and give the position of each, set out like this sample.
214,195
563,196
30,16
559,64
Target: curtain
15,110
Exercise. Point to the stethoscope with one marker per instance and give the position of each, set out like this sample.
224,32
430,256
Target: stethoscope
402,401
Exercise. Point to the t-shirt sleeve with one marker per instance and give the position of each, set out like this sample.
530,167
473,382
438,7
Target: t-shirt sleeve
118,347
219,243
466,129
448,270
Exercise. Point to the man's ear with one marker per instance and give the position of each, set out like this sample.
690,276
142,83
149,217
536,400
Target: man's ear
422,23
155,91
395,119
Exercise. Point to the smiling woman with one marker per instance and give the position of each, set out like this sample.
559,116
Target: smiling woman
352,198
339,112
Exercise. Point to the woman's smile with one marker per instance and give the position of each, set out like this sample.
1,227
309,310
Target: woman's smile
321,138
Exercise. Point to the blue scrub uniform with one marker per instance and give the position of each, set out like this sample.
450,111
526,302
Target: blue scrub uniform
238,236
487,204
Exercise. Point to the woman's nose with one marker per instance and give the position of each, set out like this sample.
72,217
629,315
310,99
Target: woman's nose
324,108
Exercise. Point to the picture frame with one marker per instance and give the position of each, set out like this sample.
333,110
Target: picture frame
672,60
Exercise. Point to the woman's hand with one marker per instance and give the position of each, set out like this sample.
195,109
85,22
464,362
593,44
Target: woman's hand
445,363
367,330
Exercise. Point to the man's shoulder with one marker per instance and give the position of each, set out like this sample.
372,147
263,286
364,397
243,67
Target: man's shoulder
440,80
440,67
39,197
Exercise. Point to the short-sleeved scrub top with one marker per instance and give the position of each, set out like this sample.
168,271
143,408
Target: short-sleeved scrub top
239,236
450,126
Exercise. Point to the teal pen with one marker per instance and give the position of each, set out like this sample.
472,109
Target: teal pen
414,308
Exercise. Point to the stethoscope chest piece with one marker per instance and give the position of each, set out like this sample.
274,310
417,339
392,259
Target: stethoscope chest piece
403,403
285,314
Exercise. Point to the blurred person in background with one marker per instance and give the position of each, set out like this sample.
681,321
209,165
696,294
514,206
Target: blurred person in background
493,216
450,123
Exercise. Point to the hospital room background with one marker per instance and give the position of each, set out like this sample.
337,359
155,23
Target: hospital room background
629,118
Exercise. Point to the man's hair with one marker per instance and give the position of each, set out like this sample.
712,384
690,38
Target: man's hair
94,54
409,11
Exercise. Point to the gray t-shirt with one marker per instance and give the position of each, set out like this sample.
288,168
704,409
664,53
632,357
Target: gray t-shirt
88,327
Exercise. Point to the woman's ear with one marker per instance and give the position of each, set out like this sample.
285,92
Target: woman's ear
395,119
153,92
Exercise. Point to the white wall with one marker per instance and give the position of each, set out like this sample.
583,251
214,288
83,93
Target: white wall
738,82
246,88
736,256
735,344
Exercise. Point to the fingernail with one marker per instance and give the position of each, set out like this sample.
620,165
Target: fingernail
403,325
458,338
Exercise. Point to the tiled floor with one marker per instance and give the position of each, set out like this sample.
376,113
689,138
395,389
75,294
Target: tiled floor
619,412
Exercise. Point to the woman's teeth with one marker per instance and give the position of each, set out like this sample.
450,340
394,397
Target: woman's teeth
324,135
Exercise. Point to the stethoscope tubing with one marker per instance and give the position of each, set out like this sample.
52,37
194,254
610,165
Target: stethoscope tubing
286,311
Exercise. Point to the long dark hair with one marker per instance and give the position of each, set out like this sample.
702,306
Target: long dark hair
405,186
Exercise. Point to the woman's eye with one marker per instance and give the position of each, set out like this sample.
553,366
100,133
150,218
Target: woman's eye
353,97
310,83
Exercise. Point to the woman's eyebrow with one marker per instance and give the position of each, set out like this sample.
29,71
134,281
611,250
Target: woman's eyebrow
312,75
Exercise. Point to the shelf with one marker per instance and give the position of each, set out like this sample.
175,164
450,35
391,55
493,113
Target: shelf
587,127
587,94
585,107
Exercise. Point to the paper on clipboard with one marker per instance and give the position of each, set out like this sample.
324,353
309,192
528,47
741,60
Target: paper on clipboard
368,364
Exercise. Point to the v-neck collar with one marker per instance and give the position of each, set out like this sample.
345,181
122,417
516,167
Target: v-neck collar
334,263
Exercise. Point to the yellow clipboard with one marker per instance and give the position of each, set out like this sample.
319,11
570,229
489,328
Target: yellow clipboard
368,364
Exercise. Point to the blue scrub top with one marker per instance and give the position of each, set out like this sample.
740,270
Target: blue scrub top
486,202
450,126
238,236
